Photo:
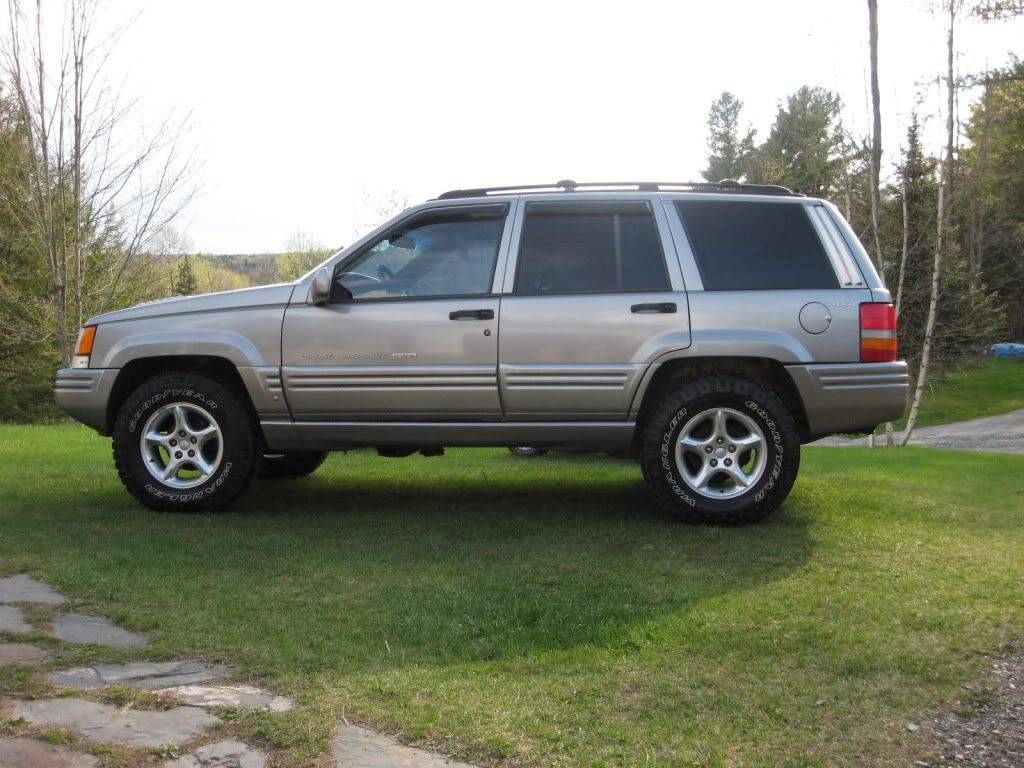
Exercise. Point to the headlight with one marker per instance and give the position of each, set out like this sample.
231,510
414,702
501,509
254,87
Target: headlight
83,347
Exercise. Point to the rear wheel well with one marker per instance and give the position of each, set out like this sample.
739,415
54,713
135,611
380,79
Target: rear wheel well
769,373
138,371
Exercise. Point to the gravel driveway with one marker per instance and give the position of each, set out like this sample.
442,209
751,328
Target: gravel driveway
1001,434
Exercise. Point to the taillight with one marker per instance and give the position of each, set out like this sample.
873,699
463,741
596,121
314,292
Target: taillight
877,333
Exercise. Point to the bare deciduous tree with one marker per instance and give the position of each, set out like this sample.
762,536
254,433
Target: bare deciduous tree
93,197
377,207
942,218
875,164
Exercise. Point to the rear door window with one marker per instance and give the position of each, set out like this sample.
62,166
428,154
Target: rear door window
590,248
742,246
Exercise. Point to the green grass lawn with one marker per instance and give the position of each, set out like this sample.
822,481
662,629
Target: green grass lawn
540,612
995,385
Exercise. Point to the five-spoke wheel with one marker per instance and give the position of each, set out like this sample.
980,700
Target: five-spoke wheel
182,445
720,453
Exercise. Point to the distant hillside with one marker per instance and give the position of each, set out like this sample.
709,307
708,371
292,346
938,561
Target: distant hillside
255,268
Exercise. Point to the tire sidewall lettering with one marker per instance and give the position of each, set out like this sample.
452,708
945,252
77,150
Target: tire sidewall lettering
778,454
169,393
668,459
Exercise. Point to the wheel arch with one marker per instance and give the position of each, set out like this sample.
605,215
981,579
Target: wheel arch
677,371
141,369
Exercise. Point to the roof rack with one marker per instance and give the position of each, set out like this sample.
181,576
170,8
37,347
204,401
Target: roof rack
568,185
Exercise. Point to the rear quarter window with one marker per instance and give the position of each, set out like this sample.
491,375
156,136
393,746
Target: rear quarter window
743,246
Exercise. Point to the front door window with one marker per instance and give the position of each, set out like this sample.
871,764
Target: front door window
438,255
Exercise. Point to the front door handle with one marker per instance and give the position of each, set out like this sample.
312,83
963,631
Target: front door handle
471,314
664,307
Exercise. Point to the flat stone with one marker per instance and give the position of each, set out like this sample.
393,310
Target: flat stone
21,653
144,674
356,747
13,620
30,753
24,589
104,723
237,696
222,754
95,630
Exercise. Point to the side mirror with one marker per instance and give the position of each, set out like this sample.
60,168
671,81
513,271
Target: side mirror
320,290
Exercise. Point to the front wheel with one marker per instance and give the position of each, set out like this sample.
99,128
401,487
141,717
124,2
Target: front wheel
720,450
184,442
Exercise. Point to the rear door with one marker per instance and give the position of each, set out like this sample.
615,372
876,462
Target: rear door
589,300
410,331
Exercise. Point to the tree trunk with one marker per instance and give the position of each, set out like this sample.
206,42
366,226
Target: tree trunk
942,220
904,249
875,166
977,234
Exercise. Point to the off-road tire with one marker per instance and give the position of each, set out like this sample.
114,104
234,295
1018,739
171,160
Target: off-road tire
242,449
290,466
661,431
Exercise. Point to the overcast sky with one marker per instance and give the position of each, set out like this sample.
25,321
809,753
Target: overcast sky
298,106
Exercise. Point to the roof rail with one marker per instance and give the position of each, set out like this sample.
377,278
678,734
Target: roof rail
568,185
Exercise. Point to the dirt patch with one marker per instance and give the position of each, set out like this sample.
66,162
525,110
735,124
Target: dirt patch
987,729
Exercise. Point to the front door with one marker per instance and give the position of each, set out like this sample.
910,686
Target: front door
411,330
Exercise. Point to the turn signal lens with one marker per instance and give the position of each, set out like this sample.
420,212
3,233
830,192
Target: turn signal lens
86,337
877,333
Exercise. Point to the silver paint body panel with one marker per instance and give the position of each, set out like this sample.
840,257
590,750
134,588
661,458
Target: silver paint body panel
391,359
565,370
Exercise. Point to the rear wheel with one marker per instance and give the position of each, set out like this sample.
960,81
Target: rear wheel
720,450
291,465
185,442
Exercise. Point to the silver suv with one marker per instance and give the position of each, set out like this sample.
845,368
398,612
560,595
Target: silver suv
706,329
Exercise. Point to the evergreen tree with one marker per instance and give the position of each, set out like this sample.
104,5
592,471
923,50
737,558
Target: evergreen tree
991,184
728,152
803,149
184,283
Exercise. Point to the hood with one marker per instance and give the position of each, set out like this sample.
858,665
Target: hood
263,296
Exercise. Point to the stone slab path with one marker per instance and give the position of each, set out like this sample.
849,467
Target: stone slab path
21,653
30,753
236,696
222,754
108,724
13,620
94,630
24,589
193,683
146,676
188,680
356,747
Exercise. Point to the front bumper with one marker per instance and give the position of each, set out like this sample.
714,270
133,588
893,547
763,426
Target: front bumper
850,397
83,393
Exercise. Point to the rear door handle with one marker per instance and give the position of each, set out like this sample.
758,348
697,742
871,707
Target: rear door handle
663,307
471,314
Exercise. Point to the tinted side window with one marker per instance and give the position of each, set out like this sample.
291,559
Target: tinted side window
590,248
748,246
439,255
